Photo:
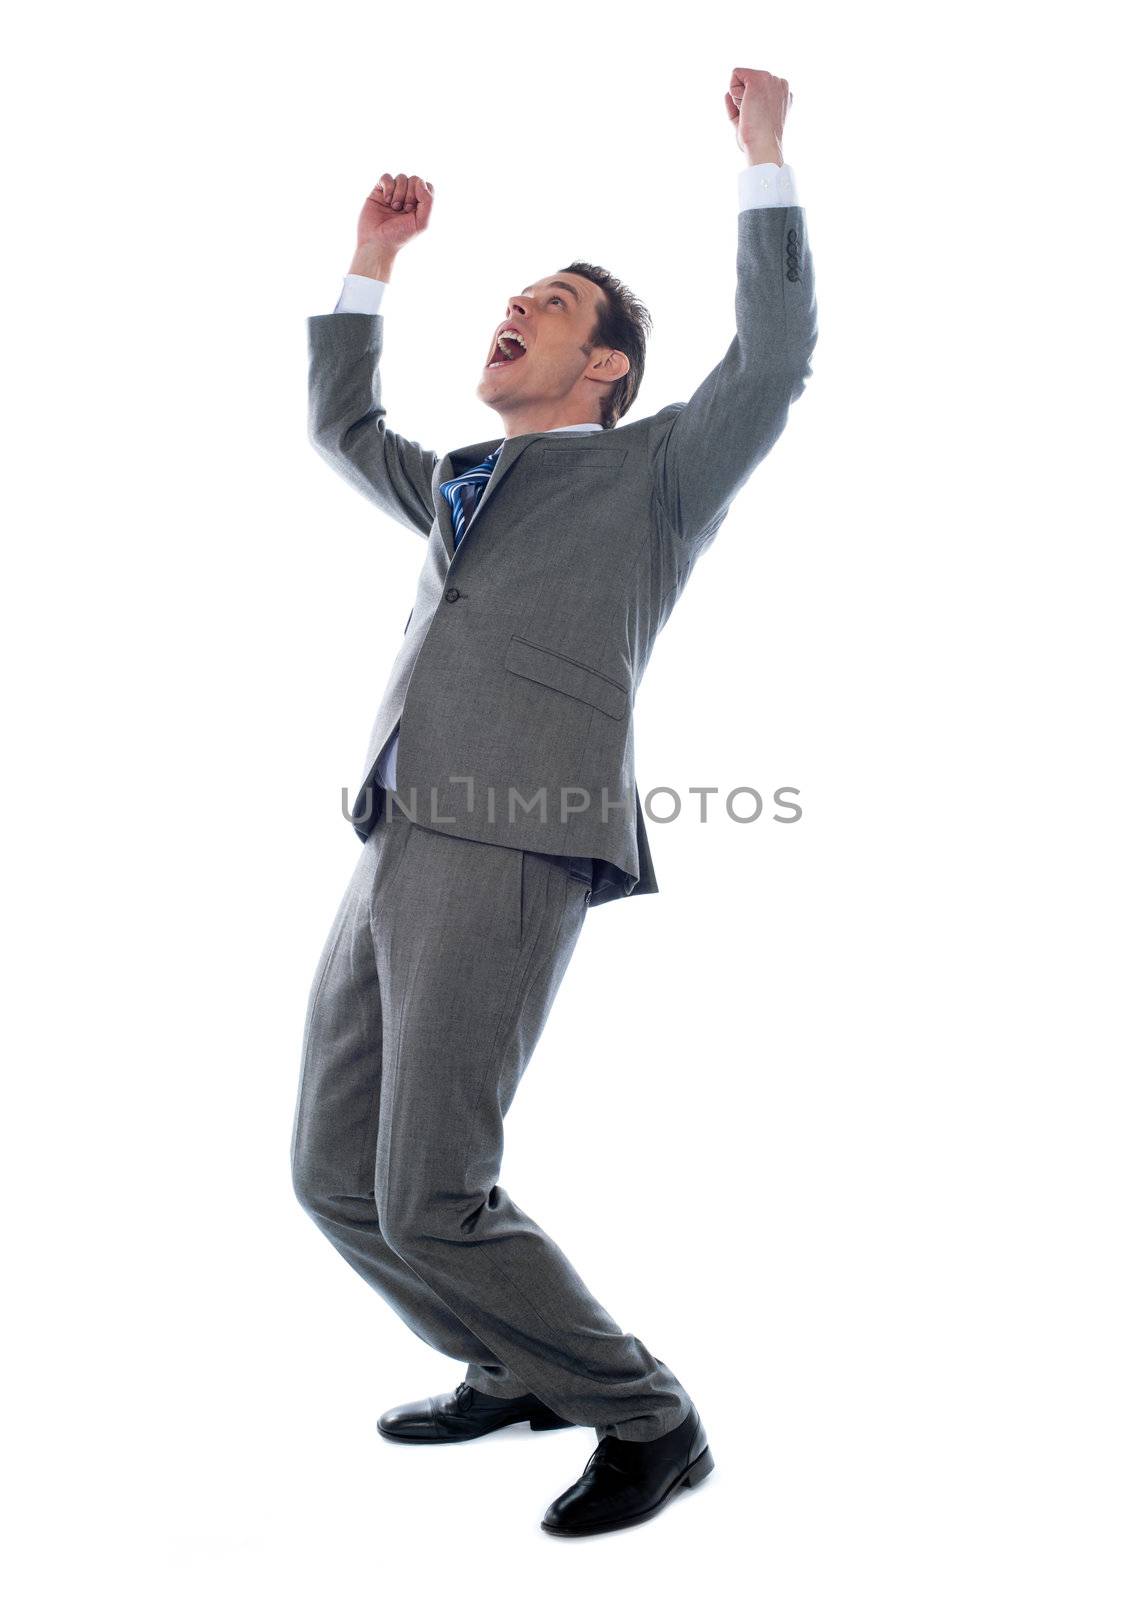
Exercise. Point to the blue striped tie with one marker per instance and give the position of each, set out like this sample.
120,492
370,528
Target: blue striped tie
464,492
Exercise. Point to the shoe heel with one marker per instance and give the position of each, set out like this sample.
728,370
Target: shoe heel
547,1422
699,1470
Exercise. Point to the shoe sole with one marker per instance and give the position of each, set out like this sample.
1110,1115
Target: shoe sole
448,1438
698,1470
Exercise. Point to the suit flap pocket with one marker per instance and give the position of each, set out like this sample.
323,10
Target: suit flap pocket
568,676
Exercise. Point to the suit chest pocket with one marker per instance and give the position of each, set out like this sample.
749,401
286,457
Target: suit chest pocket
586,459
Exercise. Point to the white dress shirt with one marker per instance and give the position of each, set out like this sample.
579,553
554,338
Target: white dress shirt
763,185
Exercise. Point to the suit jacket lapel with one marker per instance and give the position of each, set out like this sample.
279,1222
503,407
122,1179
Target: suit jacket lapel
459,461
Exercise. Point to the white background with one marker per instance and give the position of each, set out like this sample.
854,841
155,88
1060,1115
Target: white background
838,1122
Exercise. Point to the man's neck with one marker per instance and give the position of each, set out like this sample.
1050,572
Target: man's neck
542,420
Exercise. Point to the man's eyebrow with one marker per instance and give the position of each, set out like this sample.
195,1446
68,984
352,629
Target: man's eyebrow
557,283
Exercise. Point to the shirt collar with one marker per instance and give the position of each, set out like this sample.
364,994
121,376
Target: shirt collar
568,427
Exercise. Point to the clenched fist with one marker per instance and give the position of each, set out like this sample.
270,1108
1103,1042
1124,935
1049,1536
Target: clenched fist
758,104
395,211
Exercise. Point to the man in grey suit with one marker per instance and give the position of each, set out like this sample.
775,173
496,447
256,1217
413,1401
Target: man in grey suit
498,801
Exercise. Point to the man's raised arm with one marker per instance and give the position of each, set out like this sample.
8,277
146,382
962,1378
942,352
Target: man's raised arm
346,417
713,441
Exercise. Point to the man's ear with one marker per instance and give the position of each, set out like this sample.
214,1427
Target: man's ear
610,365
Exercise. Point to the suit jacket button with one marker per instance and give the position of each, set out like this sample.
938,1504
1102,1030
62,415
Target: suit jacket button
453,594
792,235
792,275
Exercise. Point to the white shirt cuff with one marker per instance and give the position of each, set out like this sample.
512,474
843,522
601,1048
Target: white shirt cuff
361,294
766,184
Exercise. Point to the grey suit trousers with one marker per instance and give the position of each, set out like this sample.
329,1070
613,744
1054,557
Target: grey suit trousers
433,988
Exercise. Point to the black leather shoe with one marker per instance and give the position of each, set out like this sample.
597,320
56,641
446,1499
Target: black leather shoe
627,1480
464,1414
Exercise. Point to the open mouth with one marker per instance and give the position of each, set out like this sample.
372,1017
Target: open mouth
509,348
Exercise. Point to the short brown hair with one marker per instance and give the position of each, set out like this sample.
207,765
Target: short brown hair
623,323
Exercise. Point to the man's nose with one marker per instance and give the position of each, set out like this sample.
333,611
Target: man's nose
519,306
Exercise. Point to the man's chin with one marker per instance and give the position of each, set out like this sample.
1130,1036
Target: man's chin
493,392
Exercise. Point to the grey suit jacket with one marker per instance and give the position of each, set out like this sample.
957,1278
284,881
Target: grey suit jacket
516,677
